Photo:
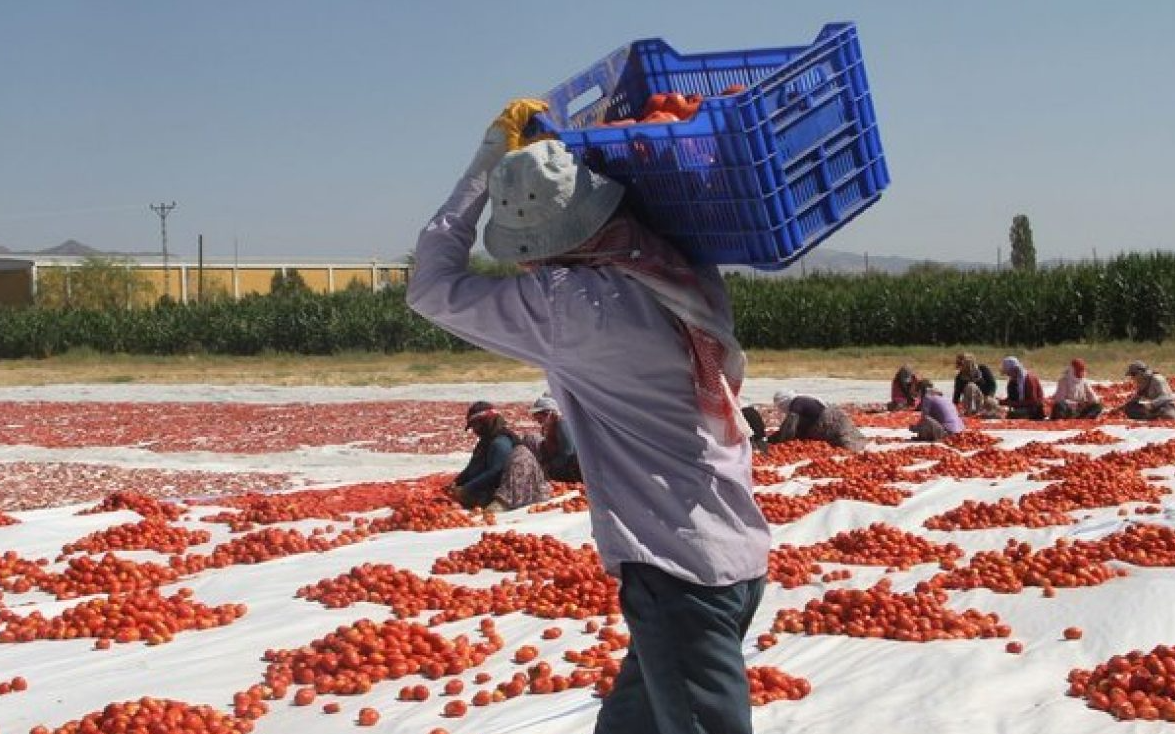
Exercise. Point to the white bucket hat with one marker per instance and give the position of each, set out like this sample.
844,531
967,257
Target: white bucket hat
545,404
543,203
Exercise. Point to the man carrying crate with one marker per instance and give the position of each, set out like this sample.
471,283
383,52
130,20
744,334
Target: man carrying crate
639,352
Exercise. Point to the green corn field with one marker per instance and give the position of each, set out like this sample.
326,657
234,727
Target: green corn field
1130,297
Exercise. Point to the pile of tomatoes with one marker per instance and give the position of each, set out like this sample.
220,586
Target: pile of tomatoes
666,107
1090,437
154,715
1091,492
790,566
861,490
873,466
152,533
772,684
883,545
425,515
136,502
575,503
336,503
1066,565
793,452
970,440
354,657
921,616
139,616
109,575
18,573
1141,545
1131,686
989,463
264,545
782,509
405,592
523,553
1004,512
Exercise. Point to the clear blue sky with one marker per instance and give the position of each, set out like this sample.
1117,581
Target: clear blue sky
333,129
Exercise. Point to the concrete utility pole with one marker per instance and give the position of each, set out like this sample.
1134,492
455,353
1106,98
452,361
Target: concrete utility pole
236,270
200,268
163,210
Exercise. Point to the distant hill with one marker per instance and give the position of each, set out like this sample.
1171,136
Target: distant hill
823,260
819,260
71,247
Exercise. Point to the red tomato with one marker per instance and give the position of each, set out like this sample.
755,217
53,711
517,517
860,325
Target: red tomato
675,104
653,104
304,697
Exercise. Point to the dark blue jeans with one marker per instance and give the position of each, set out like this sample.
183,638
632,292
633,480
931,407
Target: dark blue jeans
684,672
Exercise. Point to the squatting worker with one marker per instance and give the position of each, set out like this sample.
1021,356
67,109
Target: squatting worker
639,352
1152,398
554,447
502,473
810,418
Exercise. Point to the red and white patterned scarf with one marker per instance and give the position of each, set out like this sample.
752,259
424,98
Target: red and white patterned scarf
718,360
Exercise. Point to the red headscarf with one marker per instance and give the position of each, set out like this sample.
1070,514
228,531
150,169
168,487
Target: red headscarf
1078,366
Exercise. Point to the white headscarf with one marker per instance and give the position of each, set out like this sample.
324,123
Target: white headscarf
782,399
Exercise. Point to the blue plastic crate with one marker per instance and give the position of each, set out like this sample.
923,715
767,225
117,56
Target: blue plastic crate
755,178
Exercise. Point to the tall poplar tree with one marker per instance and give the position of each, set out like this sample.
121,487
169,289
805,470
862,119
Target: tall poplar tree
1023,251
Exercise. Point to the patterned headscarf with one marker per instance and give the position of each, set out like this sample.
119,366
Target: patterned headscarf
718,360
968,366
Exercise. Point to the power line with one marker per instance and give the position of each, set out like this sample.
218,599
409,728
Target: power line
163,210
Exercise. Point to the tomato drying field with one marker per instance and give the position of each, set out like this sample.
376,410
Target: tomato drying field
264,560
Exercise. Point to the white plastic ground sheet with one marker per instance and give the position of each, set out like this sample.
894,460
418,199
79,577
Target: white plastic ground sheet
880,686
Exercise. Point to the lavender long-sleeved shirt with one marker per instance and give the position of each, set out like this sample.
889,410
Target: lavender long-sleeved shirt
661,489
942,410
